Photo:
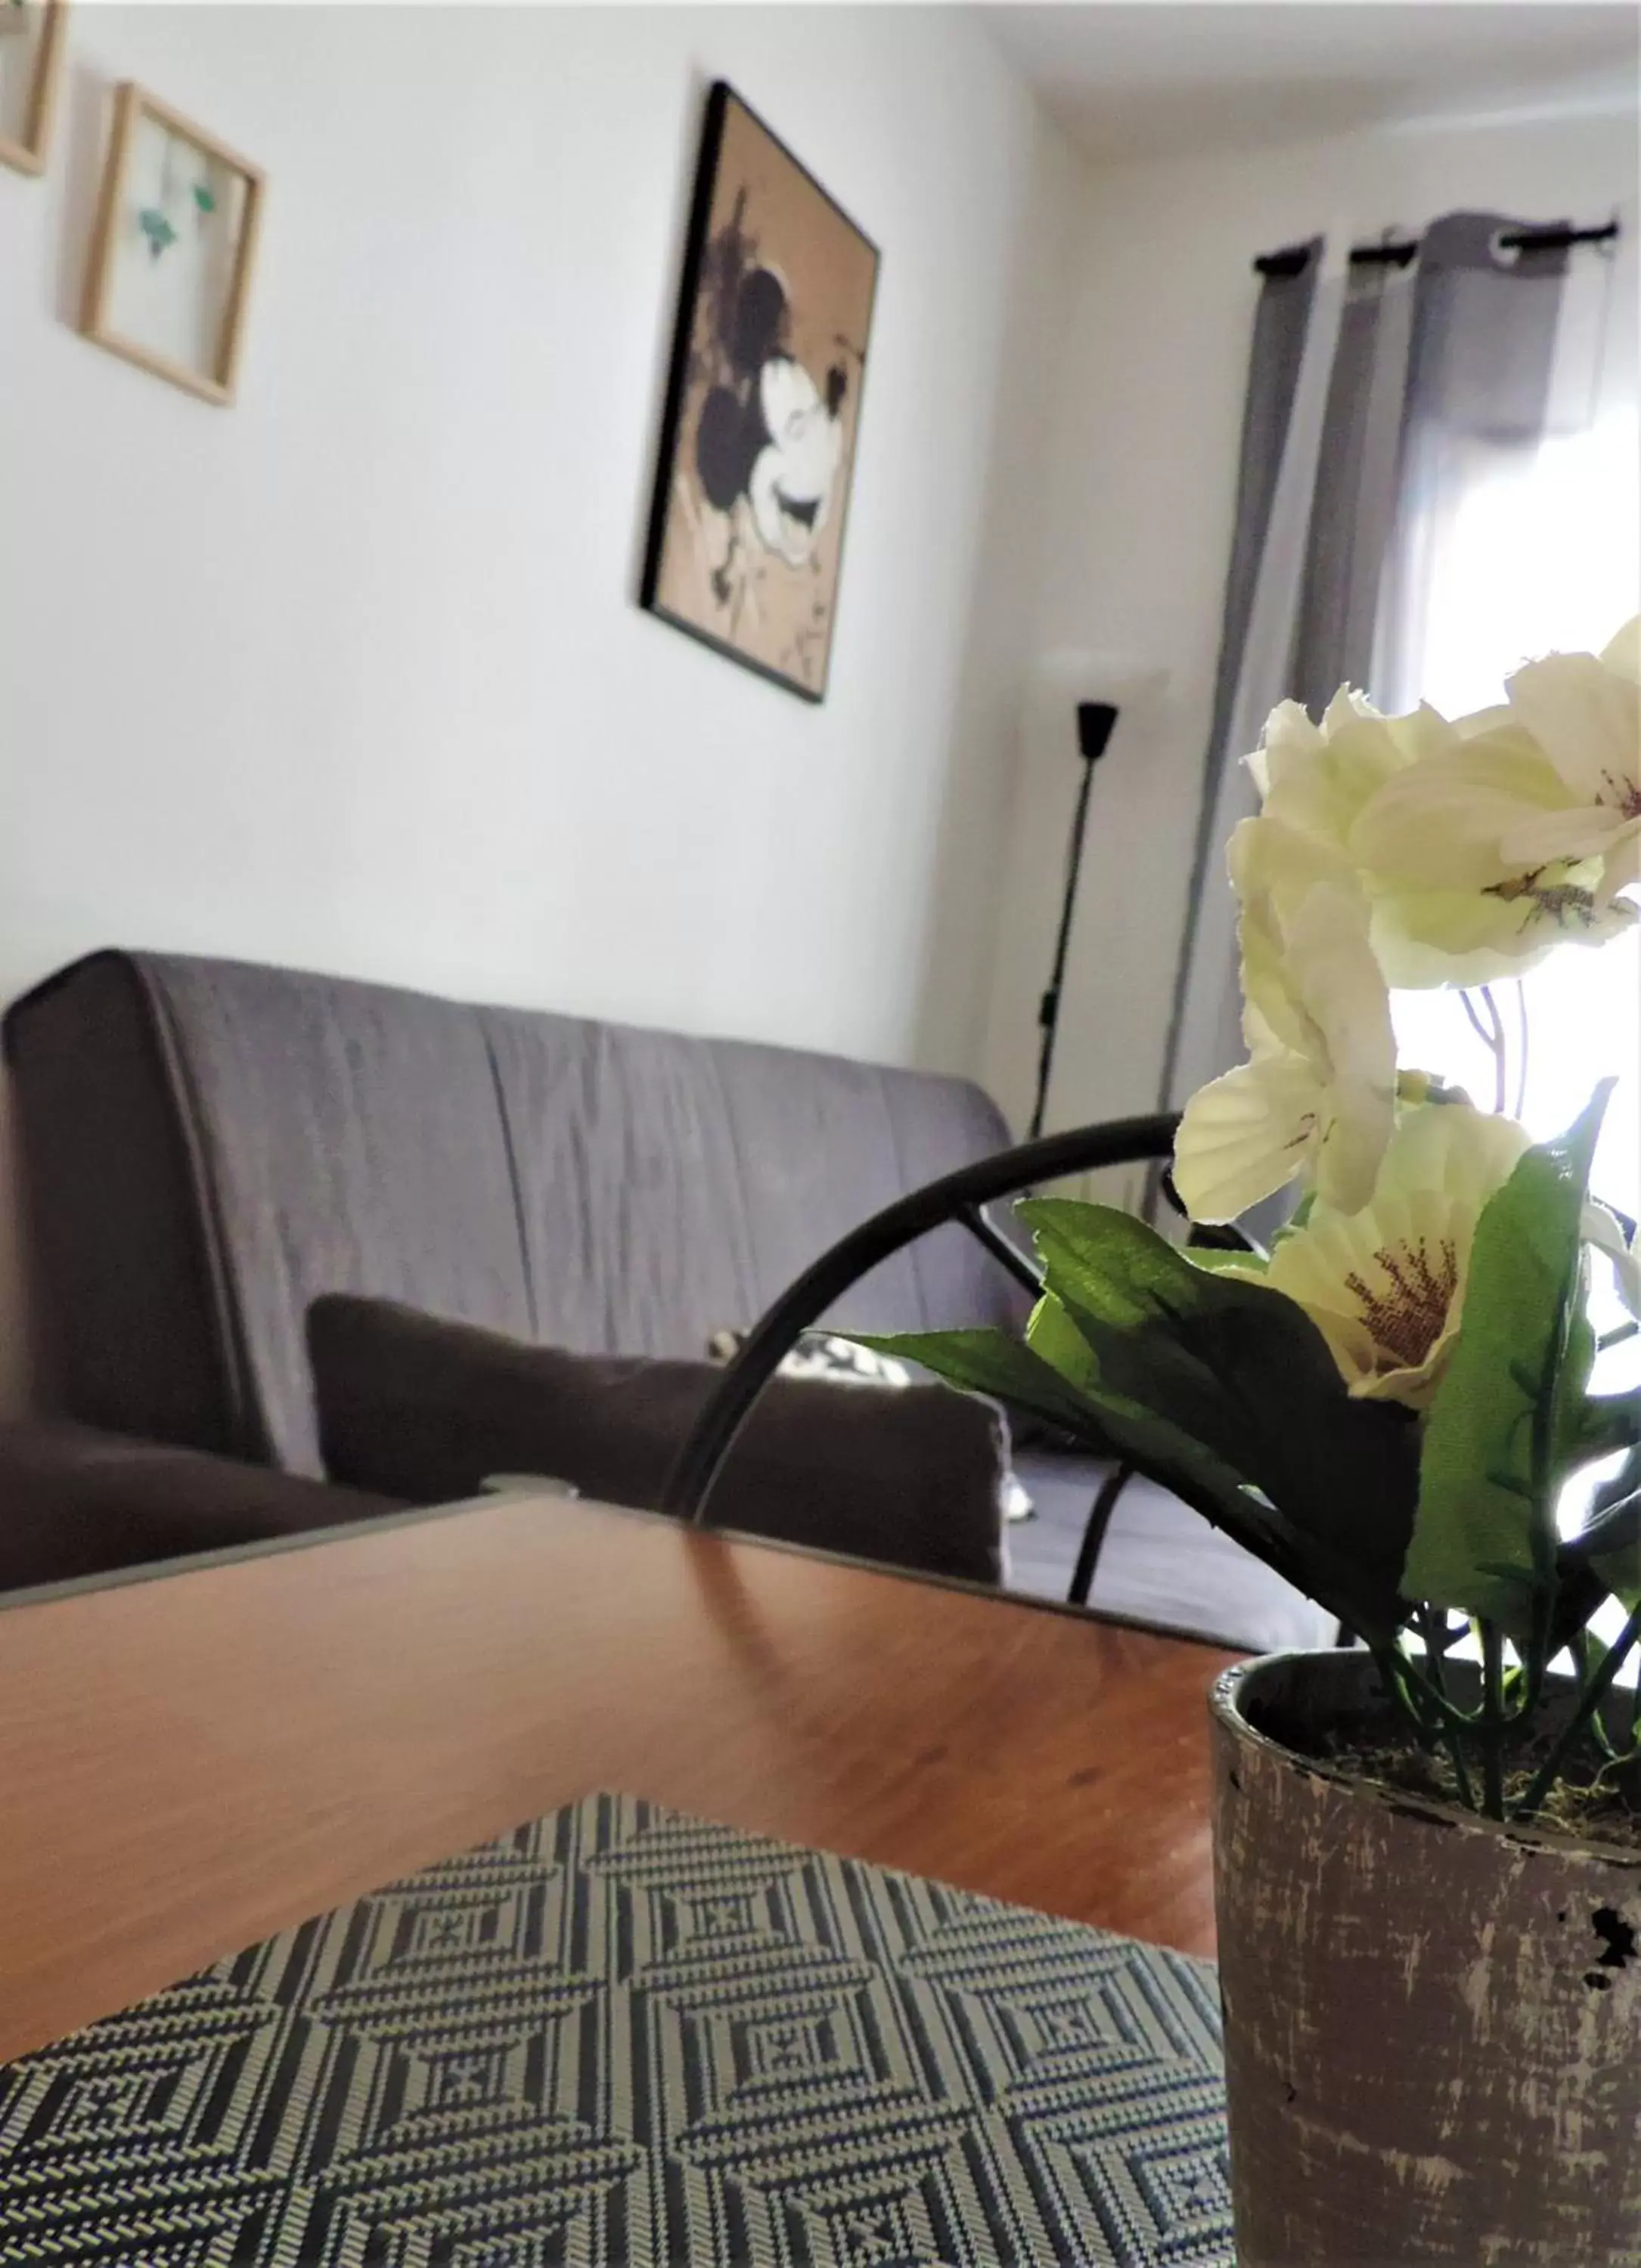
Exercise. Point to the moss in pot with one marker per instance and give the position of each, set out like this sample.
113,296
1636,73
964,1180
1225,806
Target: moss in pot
1428,1850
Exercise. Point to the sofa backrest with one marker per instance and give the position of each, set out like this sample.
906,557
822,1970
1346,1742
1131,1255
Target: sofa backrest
207,1146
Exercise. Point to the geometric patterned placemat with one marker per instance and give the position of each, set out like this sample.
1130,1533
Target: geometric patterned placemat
620,2034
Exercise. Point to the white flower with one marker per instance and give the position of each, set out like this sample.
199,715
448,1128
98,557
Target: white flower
1584,711
1317,778
1431,937
1378,791
1516,833
1318,1094
1385,1285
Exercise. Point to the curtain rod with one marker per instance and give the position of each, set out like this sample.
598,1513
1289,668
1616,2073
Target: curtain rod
1291,261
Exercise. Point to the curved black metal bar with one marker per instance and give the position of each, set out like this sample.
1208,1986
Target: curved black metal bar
1094,1535
1008,1255
957,1196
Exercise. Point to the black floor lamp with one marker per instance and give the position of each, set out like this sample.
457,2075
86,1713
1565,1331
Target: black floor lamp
1095,721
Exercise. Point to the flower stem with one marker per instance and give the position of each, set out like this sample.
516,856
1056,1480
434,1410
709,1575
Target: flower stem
1493,1722
1432,1713
1475,1014
1431,1628
1491,1034
1595,1692
1501,1069
1603,1739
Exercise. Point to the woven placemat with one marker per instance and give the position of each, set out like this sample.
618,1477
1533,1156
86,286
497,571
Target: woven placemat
620,2034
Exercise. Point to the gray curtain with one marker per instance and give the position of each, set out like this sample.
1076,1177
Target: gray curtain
1359,376
1479,362
1299,330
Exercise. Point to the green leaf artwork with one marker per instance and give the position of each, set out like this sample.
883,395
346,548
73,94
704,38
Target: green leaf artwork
156,229
205,199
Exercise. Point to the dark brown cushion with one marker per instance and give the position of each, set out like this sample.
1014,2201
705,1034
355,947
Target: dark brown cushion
418,1407
75,1501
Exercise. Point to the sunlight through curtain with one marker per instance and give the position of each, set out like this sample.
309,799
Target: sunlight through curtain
1512,544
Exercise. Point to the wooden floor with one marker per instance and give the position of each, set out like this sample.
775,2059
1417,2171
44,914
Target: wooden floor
190,1762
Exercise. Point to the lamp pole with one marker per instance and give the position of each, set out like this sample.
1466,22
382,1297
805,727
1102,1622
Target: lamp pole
1096,721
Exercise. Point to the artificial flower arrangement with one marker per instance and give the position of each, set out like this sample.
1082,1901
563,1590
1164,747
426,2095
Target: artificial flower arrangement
1386,1406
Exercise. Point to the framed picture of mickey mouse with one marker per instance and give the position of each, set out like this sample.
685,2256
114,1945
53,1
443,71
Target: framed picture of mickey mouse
763,408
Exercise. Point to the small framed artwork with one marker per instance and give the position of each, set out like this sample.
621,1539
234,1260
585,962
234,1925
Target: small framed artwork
176,237
763,408
30,64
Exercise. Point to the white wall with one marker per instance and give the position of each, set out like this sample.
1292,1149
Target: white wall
350,676
1138,527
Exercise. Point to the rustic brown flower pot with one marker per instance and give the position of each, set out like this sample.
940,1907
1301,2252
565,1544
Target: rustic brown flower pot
1432,2023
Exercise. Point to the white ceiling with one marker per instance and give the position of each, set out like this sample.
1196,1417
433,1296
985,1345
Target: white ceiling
1175,75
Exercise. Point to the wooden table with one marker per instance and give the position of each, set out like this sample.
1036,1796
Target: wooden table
191,1762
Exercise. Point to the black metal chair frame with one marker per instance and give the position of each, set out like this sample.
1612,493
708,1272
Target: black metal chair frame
960,1197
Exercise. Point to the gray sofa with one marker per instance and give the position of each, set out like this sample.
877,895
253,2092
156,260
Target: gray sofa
207,1146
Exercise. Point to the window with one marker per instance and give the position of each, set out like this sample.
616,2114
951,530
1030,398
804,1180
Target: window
1523,548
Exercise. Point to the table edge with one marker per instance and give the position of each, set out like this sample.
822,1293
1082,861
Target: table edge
307,1539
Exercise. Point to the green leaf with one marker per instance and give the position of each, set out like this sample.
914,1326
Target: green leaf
1600,1425
1161,1450
1215,1258
986,1361
1621,1572
989,1362
1618,1561
1608,1546
1579,1593
1051,1333
1242,1371
1504,1417
1571,1403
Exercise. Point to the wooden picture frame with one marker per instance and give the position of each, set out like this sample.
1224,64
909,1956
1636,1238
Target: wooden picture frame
222,183
28,151
762,414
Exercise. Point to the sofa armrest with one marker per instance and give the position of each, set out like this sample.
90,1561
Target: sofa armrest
76,1501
